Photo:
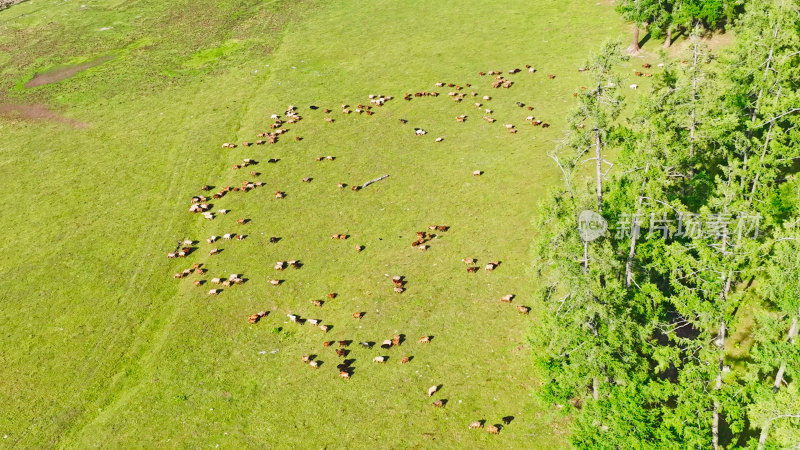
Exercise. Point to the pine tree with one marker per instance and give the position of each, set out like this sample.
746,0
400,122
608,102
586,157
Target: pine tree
598,108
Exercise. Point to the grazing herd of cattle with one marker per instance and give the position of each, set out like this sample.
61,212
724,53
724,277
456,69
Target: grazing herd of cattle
200,205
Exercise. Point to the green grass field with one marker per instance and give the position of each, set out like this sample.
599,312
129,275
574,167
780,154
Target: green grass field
101,347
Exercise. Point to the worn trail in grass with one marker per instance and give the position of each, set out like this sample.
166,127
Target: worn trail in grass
110,350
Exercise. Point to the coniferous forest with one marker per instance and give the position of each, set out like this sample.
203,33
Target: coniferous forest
677,327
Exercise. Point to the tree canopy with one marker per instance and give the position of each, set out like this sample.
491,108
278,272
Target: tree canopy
641,332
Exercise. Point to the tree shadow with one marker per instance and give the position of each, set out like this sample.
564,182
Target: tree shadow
644,40
677,34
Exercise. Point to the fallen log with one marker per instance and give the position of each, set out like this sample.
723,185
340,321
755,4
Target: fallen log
374,181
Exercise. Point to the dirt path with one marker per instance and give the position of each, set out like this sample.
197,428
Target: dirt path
51,76
35,112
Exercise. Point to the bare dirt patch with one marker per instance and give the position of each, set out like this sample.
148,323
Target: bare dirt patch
7,3
715,43
51,76
35,112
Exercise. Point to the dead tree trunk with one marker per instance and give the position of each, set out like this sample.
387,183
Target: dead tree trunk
762,439
599,157
767,70
693,119
720,342
634,47
586,256
382,177
779,377
717,387
634,232
668,39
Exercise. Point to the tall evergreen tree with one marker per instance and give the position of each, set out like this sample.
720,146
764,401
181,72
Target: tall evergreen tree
598,108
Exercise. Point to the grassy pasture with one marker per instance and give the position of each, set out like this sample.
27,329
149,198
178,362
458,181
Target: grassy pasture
102,348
